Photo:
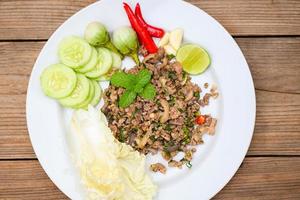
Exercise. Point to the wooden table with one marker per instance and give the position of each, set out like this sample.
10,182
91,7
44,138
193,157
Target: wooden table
266,30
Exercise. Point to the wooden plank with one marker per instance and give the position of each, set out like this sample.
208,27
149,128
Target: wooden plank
269,59
278,114
25,179
258,178
30,19
255,17
14,138
265,178
277,128
274,62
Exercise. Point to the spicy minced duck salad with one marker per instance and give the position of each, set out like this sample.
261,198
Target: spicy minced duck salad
150,108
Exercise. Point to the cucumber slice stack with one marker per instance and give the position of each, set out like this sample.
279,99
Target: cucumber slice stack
91,64
79,94
73,82
74,51
58,81
104,64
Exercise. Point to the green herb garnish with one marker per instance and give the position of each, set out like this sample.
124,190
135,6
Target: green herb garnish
189,164
142,79
197,95
172,101
168,127
152,137
180,110
148,92
135,85
121,79
186,135
121,136
127,98
168,145
171,56
172,75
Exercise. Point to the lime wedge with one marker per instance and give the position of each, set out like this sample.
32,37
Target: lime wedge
194,59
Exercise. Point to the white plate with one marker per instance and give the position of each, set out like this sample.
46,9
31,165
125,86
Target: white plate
216,161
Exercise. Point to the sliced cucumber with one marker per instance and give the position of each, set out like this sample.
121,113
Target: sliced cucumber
90,97
58,81
117,60
103,65
97,95
79,94
74,51
91,64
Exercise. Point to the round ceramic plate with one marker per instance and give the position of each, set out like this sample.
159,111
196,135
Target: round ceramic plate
216,161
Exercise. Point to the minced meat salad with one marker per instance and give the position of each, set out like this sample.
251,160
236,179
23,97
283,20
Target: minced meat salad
168,124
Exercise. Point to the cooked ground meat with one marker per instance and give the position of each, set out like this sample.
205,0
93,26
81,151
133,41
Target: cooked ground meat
158,167
166,124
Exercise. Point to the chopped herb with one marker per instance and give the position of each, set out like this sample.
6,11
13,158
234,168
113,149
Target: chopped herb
197,95
196,114
189,122
189,164
134,129
156,125
167,145
184,76
172,75
168,127
172,101
121,136
152,137
170,57
180,110
186,132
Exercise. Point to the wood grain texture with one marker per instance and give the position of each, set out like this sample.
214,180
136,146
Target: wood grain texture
255,17
278,115
269,59
258,178
31,19
277,127
274,62
264,178
26,180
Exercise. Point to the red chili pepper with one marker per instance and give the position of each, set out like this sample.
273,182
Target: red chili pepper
143,34
153,31
200,120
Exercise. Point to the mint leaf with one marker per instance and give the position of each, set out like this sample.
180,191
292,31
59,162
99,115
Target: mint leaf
143,78
149,92
121,79
127,98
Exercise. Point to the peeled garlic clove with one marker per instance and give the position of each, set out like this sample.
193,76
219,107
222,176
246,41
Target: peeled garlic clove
164,40
176,37
170,50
